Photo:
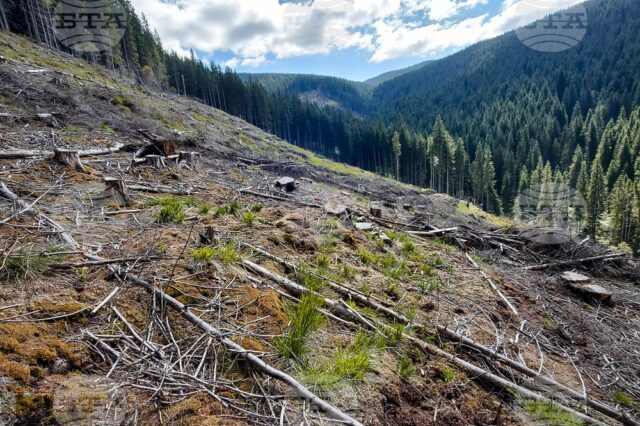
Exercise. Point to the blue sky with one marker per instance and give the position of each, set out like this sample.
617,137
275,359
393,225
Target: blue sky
354,39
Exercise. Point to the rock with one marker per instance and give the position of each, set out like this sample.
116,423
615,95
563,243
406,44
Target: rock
593,292
335,209
364,226
60,366
573,277
286,183
376,211
48,119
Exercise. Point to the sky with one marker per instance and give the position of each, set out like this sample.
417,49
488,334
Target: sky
353,39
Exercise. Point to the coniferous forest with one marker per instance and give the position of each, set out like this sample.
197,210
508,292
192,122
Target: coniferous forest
489,123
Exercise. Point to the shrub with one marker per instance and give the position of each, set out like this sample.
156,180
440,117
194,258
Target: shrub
305,319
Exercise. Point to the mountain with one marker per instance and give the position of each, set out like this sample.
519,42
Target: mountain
376,81
320,90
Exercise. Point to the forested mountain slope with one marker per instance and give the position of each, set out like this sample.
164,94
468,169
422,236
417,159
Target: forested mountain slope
526,105
350,95
376,81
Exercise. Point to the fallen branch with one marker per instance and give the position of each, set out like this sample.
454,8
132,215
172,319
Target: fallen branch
575,262
275,197
248,356
493,286
433,233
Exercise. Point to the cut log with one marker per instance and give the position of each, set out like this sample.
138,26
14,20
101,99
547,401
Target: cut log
434,233
69,157
364,226
117,189
155,161
20,153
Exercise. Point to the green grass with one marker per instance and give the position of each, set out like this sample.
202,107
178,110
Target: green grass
395,333
28,264
322,261
550,414
367,257
429,285
352,364
625,399
304,320
257,208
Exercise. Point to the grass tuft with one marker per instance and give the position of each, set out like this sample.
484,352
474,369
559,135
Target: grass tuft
305,319
550,414
203,254
405,367
447,374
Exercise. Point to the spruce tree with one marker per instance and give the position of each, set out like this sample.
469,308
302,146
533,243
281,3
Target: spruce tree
596,199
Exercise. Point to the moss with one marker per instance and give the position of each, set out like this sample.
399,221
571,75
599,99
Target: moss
57,307
15,370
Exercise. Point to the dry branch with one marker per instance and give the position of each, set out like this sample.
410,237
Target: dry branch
20,153
575,262
493,286
248,356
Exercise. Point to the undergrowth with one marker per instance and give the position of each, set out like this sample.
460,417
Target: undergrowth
550,414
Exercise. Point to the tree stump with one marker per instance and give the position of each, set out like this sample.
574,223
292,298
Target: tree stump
286,183
575,278
187,158
69,157
156,161
376,210
117,189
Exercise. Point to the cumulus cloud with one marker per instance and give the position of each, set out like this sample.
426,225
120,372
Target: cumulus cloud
253,30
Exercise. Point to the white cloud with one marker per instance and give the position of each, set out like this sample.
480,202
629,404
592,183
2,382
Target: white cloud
253,29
